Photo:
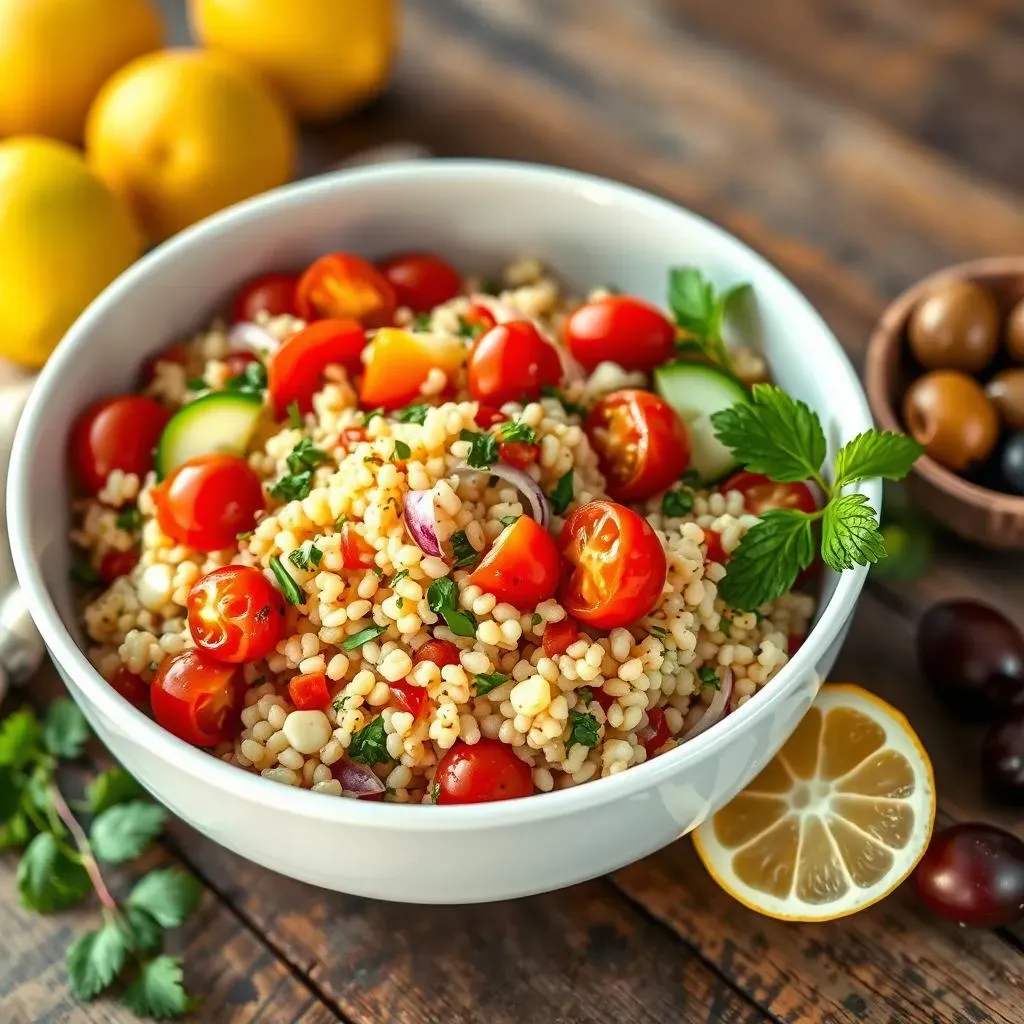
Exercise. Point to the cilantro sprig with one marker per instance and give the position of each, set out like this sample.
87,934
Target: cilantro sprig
782,438
702,312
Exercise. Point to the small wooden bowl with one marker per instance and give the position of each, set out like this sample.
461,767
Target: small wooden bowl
987,517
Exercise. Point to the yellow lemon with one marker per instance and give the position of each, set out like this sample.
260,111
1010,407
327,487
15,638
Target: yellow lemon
65,237
325,57
183,133
55,55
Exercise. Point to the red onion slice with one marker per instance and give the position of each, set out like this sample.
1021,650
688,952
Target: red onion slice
356,779
717,709
250,337
536,499
421,521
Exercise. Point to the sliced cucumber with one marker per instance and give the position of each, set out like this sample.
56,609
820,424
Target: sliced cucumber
695,391
223,421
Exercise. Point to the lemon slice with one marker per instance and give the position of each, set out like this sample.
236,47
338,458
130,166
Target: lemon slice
835,822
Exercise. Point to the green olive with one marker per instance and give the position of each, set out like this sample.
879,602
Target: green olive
950,415
955,328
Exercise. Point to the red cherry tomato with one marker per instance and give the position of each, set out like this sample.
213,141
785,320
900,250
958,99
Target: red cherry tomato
309,692
618,565
198,699
522,567
440,652
761,494
716,553
488,415
117,433
206,502
356,553
560,636
620,329
655,736
512,363
295,371
488,770
479,318
641,442
235,614
133,688
341,286
268,293
116,564
518,453
421,280
794,644
410,697
236,362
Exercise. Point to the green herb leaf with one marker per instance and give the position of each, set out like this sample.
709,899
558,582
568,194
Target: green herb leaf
306,455
773,434
398,577
340,703
518,432
124,831
307,556
48,879
692,479
414,413
196,384
129,518
850,534
435,792
379,411
159,991
571,408
11,784
483,452
294,416
252,380
20,738
65,730
144,932
659,631
508,520
470,330
677,503
83,572
536,619
709,677
421,321
292,593
487,681
293,487
691,298
369,744
364,636
583,728
770,556
725,625
111,788
95,959
465,553
561,497
402,451
167,895
585,694
875,453
443,599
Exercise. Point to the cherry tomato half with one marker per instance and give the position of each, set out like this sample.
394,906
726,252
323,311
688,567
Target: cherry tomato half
198,699
518,453
206,502
295,371
487,415
522,566
309,692
642,444
356,552
117,433
620,329
511,363
341,286
761,494
133,688
235,614
268,293
410,697
560,636
440,652
421,280
618,565
115,564
481,772
656,735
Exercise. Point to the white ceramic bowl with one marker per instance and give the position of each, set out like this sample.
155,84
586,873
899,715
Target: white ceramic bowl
479,214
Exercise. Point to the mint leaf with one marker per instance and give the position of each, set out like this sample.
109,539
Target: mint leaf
167,895
95,959
484,682
773,434
159,991
48,879
20,738
143,930
875,453
65,730
768,560
369,744
112,787
561,497
850,534
443,599
124,831
676,503
583,728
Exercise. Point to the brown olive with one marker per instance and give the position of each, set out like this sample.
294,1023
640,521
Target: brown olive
955,328
1015,332
948,413
1006,390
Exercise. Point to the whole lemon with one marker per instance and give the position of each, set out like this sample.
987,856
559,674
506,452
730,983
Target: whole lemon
55,55
325,57
181,134
65,237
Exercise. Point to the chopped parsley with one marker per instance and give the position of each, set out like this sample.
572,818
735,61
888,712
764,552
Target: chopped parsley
414,413
294,416
725,625
83,572
377,571
709,677
571,408
402,451
585,694
561,497
398,577
129,518
443,598
483,452
291,589
379,411
518,432
537,619
468,329
307,557
196,384
364,636
369,744
293,487
657,630
341,702
487,681
421,322
583,728
508,520
676,503
251,380
465,553
305,455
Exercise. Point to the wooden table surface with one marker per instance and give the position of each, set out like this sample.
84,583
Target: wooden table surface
858,144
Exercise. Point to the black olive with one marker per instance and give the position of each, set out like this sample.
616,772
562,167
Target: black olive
1012,463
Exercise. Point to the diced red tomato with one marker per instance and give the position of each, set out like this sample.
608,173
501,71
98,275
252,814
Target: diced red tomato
620,329
356,552
268,293
715,553
115,564
295,372
400,362
421,280
132,687
340,286
410,697
518,453
440,652
488,416
606,700
761,494
656,735
481,772
309,692
522,566
198,699
512,363
560,636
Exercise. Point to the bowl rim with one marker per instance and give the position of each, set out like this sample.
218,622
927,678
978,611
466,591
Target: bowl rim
887,335
253,789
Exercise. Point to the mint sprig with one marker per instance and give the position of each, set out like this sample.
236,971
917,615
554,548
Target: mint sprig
701,311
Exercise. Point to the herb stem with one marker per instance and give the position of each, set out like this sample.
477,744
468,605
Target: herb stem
84,849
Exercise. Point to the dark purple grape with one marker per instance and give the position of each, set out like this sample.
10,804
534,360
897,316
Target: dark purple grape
1002,759
973,657
973,874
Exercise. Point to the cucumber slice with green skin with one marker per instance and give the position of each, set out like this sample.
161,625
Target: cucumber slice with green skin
223,421
695,391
